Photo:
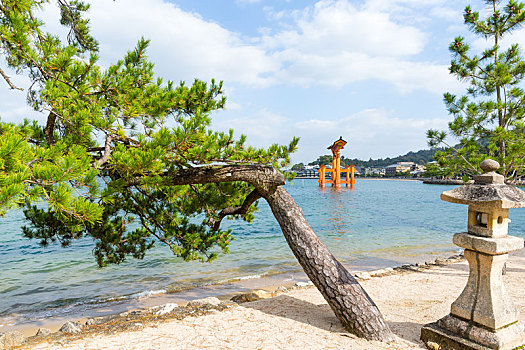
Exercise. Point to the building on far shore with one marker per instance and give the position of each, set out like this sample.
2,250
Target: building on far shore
309,171
403,167
415,170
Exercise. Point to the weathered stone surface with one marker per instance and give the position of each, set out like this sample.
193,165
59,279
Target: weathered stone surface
489,165
104,319
488,196
252,296
42,332
489,178
492,246
447,340
165,309
10,339
199,302
483,316
71,328
484,299
505,338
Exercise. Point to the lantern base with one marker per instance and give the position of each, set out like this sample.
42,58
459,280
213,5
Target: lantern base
453,333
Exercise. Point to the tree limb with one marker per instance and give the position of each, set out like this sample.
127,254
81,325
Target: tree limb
8,81
107,151
49,130
264,178
243,209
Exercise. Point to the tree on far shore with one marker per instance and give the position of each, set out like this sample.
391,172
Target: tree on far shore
489,118
120,147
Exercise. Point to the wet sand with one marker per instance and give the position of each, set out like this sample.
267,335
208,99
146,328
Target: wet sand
301,318
223,291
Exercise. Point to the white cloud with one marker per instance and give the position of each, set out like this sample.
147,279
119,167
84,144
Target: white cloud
332,27
370,133
516,37
343,69
183,44
263,127
409,11
333,43
336,43
446,13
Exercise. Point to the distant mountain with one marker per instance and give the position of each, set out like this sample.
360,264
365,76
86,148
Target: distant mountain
419,157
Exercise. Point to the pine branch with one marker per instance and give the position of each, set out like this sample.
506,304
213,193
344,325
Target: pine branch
243,209
8,81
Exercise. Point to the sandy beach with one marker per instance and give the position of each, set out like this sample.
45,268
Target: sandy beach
301,319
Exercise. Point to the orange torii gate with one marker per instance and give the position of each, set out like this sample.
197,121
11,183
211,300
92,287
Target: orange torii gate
336,168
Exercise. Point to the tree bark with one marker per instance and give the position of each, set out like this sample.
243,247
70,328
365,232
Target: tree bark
348,300
50,128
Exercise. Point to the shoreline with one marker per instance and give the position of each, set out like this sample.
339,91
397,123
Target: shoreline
362,178
432,289
223,290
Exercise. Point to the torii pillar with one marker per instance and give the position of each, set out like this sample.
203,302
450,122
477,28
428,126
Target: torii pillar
336,170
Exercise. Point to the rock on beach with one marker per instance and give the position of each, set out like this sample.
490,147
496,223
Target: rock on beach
71,328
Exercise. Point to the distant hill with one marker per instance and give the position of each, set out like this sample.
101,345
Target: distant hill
419,157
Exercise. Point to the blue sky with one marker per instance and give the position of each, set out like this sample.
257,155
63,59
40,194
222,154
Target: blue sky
372,71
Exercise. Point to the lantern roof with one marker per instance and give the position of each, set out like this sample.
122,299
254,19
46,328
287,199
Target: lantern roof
488,190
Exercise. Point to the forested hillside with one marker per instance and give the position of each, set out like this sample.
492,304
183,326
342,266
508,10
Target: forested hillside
419,157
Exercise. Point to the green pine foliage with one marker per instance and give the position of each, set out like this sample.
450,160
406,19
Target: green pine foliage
489,118
104,127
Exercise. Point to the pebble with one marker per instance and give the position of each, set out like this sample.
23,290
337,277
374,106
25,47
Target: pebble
363,275
165,309
252,296
282,289
440,261
304,284
433,346
71,328
42,332
199,302
104,319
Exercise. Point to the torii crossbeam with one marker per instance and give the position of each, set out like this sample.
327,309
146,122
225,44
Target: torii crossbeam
336,170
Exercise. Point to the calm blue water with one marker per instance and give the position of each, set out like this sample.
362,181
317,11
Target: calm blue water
380,223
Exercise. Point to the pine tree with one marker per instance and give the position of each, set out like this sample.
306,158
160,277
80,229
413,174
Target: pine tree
120,147
489,118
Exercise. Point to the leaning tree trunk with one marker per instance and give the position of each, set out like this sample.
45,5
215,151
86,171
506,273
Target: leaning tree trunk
349,301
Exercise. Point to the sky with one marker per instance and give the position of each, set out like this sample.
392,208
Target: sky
371,71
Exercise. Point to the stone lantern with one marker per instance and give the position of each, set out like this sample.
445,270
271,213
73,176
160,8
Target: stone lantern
483,316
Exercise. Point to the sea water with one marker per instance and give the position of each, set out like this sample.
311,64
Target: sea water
378,224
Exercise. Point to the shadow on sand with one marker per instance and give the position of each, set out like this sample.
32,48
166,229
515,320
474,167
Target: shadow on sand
321,316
